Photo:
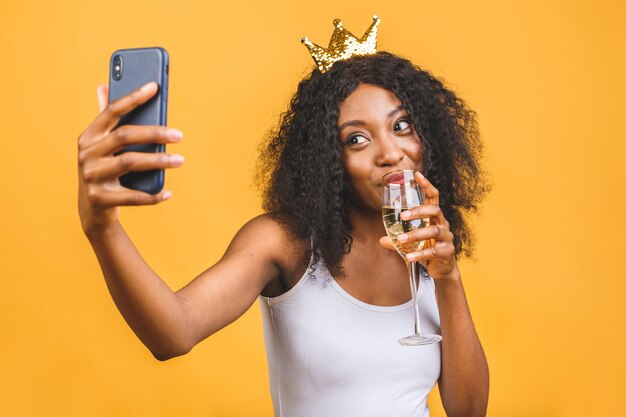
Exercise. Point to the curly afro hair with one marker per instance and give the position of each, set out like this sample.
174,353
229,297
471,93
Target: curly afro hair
300,170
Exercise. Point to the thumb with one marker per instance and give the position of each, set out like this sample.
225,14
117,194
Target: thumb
386,242
103,96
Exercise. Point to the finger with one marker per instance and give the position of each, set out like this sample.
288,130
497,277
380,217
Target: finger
103,96
432,212
442,251
133,135
430,192
126,197
435,232
115,166
113,112
386,242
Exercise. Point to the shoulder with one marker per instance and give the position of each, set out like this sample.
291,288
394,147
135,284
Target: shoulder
270,236
267,229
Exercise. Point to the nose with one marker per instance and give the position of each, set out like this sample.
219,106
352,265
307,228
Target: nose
389,152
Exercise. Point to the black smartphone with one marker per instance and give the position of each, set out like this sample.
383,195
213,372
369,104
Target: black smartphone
129,70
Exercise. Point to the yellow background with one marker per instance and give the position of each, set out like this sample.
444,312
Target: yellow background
547,288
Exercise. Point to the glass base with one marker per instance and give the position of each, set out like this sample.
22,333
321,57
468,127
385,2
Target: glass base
418,340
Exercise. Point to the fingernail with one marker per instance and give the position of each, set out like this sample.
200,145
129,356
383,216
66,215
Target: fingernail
419,174
405,214
174,134
402,238
167,194
178,159
411,256
148,86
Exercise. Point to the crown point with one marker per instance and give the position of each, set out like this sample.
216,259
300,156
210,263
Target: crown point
343,45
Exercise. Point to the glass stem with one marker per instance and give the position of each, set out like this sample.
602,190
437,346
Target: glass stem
413,276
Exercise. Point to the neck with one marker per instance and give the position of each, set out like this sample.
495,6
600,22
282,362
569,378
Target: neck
367,228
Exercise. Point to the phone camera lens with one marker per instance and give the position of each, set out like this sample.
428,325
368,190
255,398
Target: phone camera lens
116,71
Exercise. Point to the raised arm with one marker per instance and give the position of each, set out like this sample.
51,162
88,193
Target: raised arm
464,379
168,323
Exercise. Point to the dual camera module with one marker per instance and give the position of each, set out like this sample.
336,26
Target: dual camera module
117,67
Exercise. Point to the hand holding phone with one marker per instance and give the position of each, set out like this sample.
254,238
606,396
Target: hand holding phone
99,167
129,70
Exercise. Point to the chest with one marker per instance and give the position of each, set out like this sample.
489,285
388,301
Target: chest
330,340
376,281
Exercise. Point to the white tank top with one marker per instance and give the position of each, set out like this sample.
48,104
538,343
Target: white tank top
330,354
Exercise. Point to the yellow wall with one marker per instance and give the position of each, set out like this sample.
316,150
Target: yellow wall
546,292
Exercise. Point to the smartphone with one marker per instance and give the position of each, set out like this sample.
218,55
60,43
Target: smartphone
129,70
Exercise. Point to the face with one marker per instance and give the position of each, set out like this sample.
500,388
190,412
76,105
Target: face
376,137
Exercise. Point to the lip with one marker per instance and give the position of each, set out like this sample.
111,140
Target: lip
397,178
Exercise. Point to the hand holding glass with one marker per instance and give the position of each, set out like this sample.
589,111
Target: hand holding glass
401,192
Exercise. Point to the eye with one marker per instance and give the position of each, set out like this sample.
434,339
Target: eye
404,123
355,140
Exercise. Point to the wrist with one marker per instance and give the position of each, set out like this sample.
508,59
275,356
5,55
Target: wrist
450,280
100,232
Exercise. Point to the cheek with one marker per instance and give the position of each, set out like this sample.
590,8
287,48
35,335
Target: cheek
415,151
357,173
354,167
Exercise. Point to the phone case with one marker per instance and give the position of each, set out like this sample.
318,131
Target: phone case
137,67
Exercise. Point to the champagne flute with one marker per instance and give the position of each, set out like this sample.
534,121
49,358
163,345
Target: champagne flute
401,192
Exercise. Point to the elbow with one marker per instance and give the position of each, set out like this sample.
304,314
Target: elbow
472,404
164,356
161,358
481,413
472,407
475,408
467,412
174,344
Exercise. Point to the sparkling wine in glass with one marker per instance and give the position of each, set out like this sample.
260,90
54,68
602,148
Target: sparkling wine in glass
401,192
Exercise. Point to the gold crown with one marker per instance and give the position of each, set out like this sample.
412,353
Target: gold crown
343,45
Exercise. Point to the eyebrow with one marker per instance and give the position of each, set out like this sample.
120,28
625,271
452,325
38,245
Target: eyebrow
362,123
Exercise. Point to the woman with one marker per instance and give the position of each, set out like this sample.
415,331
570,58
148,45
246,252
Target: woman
334,294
